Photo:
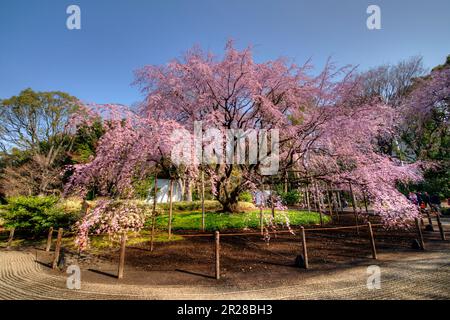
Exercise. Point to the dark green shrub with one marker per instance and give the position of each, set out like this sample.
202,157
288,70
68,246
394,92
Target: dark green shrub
246,197
36,214
290,198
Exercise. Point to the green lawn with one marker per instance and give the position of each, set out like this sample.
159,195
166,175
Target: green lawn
222,221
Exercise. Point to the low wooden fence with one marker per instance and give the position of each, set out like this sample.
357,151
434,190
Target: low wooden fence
216,236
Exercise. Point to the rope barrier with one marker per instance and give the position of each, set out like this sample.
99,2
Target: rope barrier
276,232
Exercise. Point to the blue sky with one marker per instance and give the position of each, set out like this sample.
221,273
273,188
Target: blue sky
96,63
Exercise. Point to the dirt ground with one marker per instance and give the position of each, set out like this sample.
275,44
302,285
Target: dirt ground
245,260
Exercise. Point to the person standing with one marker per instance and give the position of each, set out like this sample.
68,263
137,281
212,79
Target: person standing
412,197
419,199
426,199
435,203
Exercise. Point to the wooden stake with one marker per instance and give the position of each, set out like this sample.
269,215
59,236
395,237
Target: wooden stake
441,229
430,222
314,197
203,200
272,204
217,239
330,209
261,220
365,201
341,209
372,241
170,208
152,236
354,207
305,205
49,239
57,249
419,232
305,250
285,182
10,238
318,203
123,242
307,198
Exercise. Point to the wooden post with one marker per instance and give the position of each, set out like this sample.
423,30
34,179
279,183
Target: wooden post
354,207
307,198
365,202
272,204
261,219
152,236
318,203
314,197
305,204
10,238
305,251
430,221
123,242
330,208
372,241
217,239
170,208
419,232
203,200
49,239
341,209
441,229
285,182
57,249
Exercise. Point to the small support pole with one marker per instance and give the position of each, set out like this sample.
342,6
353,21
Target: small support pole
10,238
330,208
430,222
305,250
441,229
319,206
272,204
261,220
203,200
419,232
372,241
57,248
285,182
123,242
307,198
152,236
49,239
341,209
354,208
170,208
365,202
217,240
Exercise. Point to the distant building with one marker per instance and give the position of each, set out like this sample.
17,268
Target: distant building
163,192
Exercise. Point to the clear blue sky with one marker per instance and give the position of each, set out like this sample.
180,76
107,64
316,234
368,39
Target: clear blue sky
96,63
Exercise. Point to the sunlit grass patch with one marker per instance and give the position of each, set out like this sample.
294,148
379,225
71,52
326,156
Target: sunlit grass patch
222,221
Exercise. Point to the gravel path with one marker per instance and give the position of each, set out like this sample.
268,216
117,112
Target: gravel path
421,275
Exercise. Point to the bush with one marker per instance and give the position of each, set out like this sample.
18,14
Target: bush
246,197
36,214
111,217
290,198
